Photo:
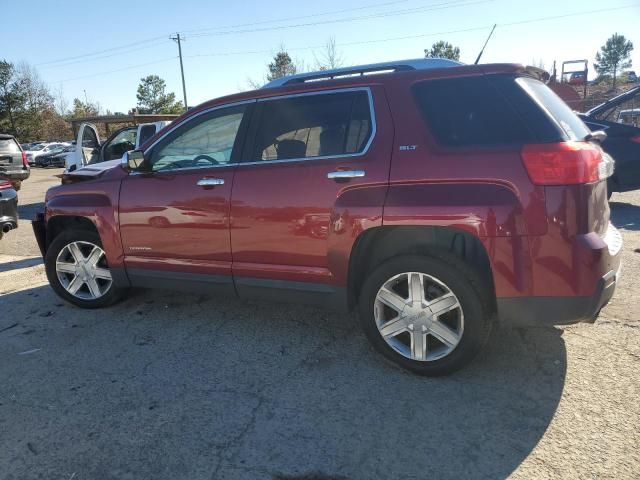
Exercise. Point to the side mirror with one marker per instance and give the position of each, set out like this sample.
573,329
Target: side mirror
133,159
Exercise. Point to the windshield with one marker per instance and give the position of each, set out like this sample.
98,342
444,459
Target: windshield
555,108
37,147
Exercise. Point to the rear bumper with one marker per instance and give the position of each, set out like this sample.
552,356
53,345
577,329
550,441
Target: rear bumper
548,311
8,208
15,174
599,276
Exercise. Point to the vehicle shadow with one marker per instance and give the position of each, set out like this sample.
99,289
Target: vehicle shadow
17,264
169,385
30,210
625,215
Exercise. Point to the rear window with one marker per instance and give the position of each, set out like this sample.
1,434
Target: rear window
9,145
469,111
573,127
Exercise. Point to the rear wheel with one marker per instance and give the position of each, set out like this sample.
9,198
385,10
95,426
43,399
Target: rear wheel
78,272
427,314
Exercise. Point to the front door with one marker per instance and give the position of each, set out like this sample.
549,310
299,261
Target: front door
300,189
174,215
87,145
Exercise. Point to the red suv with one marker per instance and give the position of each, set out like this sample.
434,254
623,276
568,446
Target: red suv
431,197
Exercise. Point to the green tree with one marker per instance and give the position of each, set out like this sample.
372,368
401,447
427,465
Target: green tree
24,100
82,109
442,49
153,99
614,56
281,66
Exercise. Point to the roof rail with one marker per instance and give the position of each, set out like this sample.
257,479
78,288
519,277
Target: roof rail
386,67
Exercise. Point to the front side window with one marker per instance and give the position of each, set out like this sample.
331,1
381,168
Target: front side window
308,126
206,141
121,143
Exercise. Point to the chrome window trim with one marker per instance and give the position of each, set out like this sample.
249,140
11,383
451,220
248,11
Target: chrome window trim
372,135
190,119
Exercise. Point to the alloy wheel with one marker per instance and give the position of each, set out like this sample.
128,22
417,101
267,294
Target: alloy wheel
82,270
419,316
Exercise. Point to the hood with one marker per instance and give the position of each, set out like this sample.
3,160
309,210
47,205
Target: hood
89,172
604,109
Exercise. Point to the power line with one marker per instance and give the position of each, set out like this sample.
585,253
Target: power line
346,44
422,35
117,70
441,6
127,47
102,56
500,25
140,42
300,17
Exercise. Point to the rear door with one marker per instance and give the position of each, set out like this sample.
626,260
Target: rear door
307,152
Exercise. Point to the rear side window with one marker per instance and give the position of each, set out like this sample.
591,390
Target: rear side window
310,126
553,105
469,111
9,145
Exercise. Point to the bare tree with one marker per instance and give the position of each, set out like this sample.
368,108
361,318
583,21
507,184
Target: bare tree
329,58
61,102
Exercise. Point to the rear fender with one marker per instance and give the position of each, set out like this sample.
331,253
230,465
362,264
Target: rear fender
491,212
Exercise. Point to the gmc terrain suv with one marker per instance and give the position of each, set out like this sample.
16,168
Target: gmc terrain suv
430,196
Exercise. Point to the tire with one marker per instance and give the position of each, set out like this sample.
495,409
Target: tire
443,278
103,293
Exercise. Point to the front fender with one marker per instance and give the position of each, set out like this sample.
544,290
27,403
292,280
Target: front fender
96,201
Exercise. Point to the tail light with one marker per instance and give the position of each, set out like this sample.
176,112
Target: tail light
24,159
566,163
635,138
4,185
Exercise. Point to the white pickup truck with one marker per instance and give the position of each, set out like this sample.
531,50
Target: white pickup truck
89,149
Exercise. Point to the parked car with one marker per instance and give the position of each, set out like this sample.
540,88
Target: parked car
432,197
577,78
89,150
622,142
56,157
13,161
42,149
8,207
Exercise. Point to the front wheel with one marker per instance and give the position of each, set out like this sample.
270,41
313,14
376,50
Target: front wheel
428,314
77,270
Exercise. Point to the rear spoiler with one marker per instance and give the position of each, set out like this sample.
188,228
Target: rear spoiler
538,73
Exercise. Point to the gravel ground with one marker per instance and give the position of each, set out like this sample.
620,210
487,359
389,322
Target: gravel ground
172,386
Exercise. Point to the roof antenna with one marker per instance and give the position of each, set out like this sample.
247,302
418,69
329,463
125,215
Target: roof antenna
485,44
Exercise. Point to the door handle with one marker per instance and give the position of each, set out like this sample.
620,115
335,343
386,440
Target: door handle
210,182
345,174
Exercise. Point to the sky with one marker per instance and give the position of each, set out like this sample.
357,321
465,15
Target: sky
104,48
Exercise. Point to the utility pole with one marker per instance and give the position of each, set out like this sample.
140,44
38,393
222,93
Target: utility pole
184,88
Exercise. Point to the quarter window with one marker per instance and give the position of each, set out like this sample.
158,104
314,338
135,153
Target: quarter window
469,111
310,126
202,142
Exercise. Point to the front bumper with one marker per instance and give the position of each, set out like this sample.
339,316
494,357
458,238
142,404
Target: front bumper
40,232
